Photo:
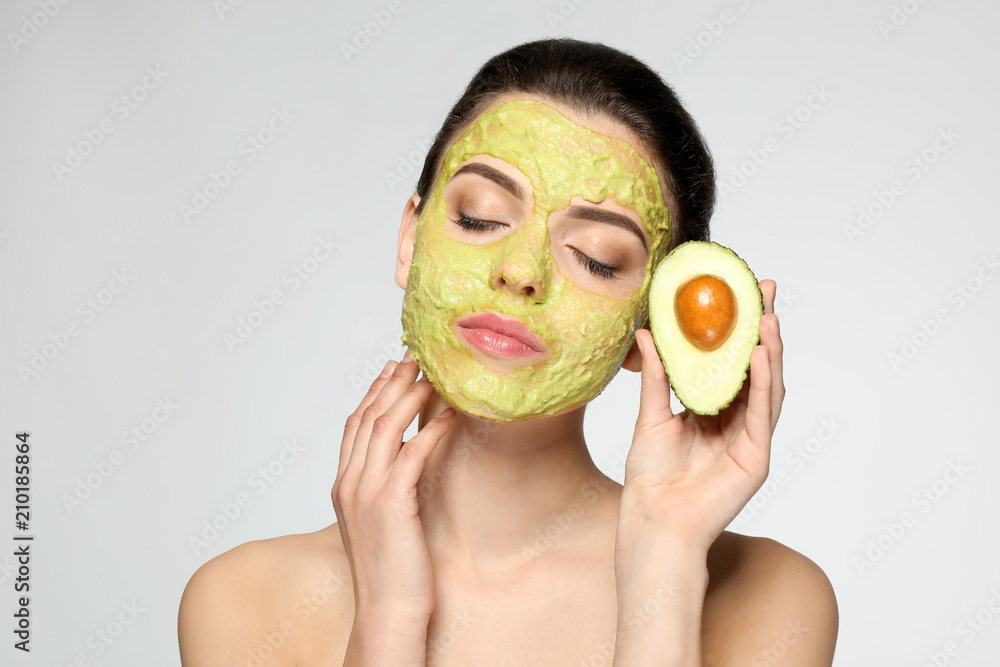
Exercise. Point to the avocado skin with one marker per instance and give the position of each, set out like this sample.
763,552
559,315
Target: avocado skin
705,382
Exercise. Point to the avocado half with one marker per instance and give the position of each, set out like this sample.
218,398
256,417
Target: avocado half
703,331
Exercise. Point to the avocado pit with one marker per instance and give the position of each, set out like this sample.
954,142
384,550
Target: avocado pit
705,307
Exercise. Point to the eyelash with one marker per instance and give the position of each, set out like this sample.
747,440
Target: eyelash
595,267
469,224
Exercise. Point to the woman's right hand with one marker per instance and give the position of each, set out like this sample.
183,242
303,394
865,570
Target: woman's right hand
375,494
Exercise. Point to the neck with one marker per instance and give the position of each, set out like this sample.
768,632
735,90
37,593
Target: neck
495,496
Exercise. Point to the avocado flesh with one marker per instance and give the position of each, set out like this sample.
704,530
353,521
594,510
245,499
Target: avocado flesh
705,381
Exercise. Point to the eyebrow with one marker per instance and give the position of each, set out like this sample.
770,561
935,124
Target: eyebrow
610,217
578,212
494,175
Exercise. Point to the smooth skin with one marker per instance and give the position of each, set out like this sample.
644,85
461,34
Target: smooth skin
478,543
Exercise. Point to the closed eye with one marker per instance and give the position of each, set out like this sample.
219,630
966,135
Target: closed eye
473,225
595,267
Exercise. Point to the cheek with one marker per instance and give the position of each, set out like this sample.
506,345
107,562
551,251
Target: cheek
593,328
448,272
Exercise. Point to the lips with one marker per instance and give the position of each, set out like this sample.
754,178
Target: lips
500,336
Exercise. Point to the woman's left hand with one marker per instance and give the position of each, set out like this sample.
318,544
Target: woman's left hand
687,476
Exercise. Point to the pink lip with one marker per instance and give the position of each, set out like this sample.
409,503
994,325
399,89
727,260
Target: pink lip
500,337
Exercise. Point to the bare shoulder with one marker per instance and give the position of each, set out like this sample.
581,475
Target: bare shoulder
267,598
766,602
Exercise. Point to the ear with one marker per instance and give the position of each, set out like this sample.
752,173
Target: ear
633,358
407,233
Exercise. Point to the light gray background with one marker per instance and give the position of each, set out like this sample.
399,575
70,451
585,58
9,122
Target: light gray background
847,301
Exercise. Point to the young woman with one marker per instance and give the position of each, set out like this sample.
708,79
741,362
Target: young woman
562,176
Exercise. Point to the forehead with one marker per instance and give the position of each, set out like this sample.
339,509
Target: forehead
562,159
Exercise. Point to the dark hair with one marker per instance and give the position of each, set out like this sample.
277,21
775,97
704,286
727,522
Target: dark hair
595,79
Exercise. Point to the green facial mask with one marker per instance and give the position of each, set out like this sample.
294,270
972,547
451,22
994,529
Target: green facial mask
588,334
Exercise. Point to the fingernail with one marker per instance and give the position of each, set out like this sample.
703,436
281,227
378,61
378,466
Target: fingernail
447,412
387,371
407,356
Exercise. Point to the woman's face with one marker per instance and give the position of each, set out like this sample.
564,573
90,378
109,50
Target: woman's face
539,219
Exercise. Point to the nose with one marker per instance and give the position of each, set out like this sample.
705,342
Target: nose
521,272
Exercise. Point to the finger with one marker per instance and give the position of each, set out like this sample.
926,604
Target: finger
654,396
387,431
757,447
768,288
770,337
413,455
354,420
733,417
402,377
